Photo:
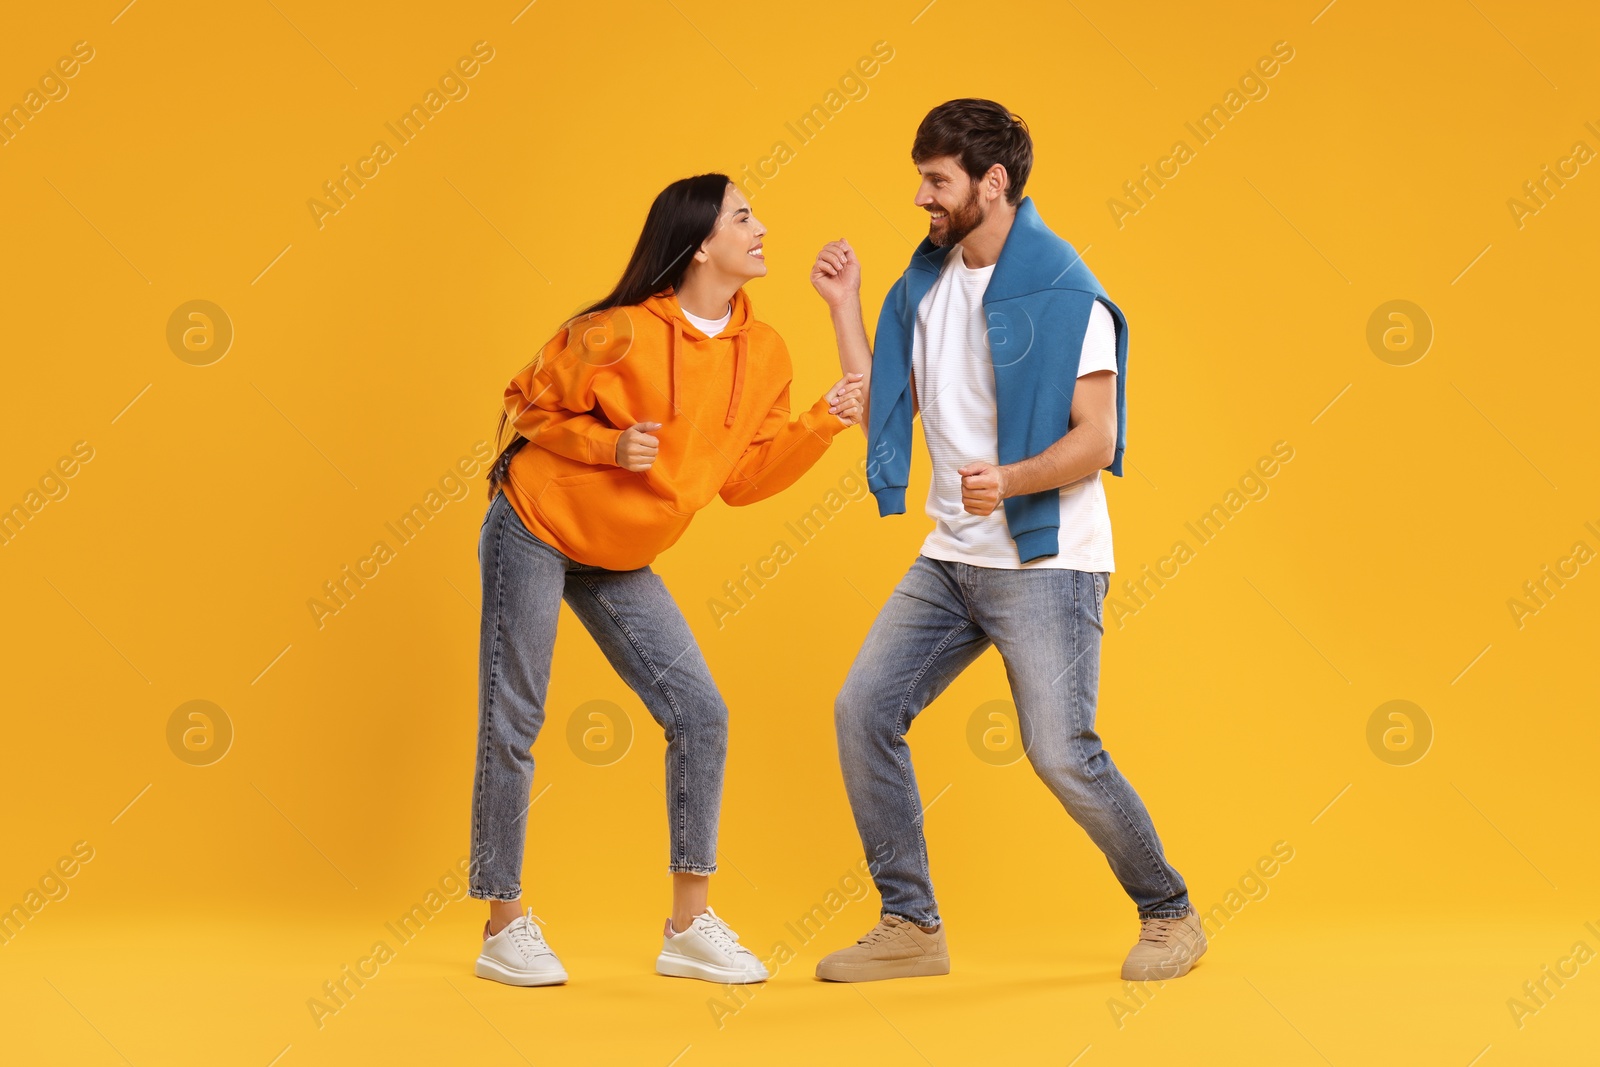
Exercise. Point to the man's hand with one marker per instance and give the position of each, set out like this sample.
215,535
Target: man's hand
837,273
844,399
636,448
983,486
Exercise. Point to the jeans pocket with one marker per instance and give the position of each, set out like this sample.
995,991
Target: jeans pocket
1100,581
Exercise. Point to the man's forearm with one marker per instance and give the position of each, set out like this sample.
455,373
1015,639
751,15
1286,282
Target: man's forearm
1084,450
855,354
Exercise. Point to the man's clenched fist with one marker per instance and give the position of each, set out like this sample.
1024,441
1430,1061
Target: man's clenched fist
983,486
837,272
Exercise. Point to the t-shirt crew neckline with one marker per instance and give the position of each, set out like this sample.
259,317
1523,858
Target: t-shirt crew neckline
966,268
709,327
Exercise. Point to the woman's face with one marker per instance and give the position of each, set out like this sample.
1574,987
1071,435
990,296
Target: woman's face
734,247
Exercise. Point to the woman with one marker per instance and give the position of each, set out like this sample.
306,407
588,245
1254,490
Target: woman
638,412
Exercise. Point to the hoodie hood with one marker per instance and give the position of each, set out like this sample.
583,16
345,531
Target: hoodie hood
665,306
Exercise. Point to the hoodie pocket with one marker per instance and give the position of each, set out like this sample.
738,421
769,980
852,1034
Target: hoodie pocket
610,518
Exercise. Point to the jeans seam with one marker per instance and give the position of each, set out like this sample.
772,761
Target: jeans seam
680,803
900,726
1155,864
494,677
1098,779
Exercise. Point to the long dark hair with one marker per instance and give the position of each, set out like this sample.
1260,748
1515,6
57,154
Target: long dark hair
682,216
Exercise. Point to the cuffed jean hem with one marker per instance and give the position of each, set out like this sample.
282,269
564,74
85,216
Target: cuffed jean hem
481,894
691,868
935,921
1166,912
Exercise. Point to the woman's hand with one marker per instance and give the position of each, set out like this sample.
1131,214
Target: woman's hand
844,399
837,273
636,448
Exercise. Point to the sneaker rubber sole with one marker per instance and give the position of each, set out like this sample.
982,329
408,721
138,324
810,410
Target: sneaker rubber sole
673,966
877,970
499,972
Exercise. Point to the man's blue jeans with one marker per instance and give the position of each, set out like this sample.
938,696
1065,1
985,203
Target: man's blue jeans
1047,625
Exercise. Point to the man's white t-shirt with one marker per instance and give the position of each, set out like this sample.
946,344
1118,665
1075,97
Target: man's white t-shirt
953,373
709,327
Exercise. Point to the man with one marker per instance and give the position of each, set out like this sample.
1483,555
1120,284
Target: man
1009,348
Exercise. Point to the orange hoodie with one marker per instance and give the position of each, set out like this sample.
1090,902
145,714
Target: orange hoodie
723,405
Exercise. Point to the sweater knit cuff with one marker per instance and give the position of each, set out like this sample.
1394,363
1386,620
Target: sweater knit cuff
891,500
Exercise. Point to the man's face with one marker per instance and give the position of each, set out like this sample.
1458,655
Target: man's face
950,197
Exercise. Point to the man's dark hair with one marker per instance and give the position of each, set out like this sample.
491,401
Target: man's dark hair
980,133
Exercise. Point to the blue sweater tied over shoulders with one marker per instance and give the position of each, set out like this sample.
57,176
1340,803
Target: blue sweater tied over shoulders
1036,307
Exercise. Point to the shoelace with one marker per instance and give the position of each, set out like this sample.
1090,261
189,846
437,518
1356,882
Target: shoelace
878,933
1158,931
721,935
528,937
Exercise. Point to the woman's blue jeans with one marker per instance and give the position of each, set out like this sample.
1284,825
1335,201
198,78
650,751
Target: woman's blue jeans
641,631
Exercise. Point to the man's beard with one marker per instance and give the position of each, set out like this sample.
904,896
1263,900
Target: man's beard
959,222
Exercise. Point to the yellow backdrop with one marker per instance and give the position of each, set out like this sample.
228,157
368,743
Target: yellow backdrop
243,343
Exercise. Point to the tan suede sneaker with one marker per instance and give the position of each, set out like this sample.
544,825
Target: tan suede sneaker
1166,948
892,949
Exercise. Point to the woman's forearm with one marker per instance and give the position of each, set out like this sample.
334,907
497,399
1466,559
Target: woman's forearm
774,465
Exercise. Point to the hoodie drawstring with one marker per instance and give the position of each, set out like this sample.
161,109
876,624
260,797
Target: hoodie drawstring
741,345
672,358
738,375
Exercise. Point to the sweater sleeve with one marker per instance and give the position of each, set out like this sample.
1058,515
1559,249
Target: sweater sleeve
553,405
781,451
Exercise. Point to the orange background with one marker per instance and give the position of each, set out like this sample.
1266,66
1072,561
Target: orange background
368,357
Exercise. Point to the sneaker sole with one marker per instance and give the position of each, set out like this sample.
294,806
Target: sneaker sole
916,967
497,972
683,967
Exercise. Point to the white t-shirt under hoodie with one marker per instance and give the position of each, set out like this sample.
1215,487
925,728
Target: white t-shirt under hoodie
709,327
953,374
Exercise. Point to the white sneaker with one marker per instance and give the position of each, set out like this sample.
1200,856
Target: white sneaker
711,951
517,955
